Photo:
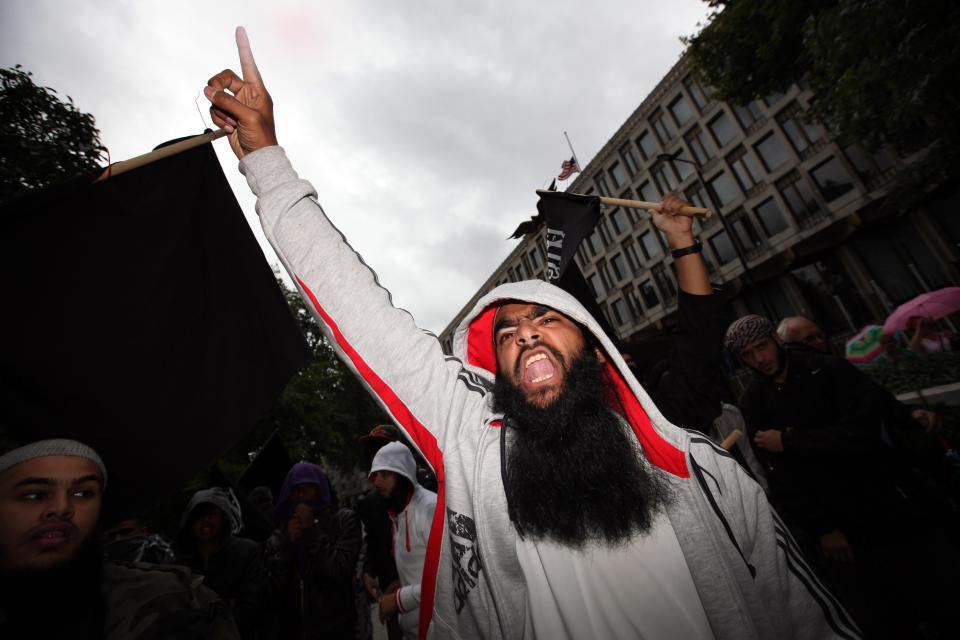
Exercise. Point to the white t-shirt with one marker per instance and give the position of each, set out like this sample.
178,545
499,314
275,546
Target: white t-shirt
641,589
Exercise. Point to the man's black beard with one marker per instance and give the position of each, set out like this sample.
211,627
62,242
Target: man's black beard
573,471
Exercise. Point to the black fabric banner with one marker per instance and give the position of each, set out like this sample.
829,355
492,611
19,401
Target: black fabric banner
142,318
569,218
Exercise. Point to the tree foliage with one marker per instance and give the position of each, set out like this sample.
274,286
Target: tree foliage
322,411
43,140
884,71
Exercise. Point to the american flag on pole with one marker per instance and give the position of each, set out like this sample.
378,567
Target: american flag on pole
568,168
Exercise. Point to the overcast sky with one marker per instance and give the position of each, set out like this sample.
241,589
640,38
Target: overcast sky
425,126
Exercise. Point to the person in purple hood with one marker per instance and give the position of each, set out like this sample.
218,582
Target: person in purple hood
310,559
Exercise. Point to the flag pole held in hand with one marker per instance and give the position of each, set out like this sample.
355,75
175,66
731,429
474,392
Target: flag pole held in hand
158,154
655,206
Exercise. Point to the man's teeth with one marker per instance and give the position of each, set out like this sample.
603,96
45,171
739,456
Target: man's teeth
53,534
542,378
534,358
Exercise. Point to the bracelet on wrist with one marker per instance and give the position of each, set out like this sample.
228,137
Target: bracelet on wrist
696,247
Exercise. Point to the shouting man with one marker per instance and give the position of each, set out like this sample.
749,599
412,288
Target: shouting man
568,507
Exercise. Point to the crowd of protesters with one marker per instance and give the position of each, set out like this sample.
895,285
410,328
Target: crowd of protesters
572,501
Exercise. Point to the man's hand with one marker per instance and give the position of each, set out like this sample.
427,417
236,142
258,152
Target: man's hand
929,420
835,546
242,106
770,440
677,228
372,587
294,529
388,606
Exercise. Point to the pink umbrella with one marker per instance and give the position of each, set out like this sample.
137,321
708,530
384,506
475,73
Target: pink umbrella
935,304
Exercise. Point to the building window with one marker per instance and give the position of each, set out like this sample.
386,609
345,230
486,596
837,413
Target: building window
619,221
604,274
722,129
683,164
630,248
664,128
634,302
602,187
595,242
724,188
870,167
604,233
665,177
832,179
596,286
680,108
629,156
695,197
802,134
649,294
668,289
696,93
651,245
798,195
772,152
619,265
747,237
745,167
618,175
700,146
647,193
748,115
773,98
723,248
620,312
534,258
772,221
648,147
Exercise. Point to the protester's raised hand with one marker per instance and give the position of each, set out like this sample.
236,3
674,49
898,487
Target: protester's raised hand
668,220
241,105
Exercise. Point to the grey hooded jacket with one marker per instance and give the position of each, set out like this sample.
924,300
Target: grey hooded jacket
750,575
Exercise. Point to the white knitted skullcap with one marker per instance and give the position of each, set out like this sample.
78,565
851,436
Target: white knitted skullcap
54,447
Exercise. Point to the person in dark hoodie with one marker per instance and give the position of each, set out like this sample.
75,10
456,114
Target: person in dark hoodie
230,565
310,560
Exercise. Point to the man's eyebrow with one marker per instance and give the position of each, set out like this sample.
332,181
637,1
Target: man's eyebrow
89,478
540,310
47,482
502,324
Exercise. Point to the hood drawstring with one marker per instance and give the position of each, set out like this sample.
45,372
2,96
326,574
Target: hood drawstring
406,528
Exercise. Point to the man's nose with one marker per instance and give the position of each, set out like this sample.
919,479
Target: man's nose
60,505
527,332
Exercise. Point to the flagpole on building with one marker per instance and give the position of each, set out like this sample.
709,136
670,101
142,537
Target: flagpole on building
572,152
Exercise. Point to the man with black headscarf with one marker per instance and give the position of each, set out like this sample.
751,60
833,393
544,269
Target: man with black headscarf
815,421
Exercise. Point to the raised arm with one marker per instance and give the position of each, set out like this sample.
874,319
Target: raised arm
403,367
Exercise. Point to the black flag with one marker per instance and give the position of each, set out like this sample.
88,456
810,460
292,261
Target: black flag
143,319
569,219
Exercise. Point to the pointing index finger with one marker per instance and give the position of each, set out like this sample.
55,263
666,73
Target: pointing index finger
248,66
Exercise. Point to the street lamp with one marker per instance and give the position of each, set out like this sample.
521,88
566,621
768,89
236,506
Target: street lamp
673,158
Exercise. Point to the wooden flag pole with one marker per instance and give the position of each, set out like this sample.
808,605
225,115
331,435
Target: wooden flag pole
731,439
158,154
641,204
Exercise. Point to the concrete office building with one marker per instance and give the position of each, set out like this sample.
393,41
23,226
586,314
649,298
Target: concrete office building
806,214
